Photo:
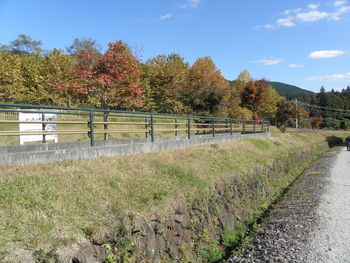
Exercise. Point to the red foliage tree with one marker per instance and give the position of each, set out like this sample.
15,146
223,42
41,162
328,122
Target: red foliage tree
316,121
111,80
254,95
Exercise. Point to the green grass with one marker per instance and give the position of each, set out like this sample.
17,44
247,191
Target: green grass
43,207
259,143
301,137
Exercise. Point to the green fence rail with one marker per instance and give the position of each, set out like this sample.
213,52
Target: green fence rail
101,124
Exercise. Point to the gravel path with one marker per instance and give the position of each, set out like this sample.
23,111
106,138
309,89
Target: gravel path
331,241
296,226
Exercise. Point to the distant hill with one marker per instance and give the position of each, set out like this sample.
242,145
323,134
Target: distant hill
289,91
286,90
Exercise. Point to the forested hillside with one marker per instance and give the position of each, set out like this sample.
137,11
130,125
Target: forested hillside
289,91
285,90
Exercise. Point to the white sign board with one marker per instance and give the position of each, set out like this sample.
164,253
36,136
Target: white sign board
26,127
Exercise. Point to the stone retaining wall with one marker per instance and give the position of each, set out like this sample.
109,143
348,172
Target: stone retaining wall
192,231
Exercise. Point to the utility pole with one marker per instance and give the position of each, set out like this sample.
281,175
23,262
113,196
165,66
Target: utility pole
296,114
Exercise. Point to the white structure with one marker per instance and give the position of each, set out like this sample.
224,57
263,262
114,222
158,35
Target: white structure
26,127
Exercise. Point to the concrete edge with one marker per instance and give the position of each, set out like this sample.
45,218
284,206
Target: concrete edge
51,153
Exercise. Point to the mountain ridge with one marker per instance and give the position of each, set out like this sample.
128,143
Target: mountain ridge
286,90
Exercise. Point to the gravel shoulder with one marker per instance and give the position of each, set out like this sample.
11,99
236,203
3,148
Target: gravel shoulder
288,232
330,242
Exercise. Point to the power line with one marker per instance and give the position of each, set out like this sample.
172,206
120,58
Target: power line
327,112
321,107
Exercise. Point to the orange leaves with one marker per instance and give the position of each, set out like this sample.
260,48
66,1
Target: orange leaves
254,95
109,80
316,121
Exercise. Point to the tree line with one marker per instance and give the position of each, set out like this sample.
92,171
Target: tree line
83,75
331,109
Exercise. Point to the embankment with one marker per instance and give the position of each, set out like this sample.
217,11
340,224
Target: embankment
189,205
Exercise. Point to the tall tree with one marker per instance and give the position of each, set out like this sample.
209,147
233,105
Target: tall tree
233,100
285,113
83,45
269,108
244,76
10,77
58,70
255,95
166,77
207,88
111,80
24,44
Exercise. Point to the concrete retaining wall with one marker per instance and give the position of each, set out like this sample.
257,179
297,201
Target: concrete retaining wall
49,153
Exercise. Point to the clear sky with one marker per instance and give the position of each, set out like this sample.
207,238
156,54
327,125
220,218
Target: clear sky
300,42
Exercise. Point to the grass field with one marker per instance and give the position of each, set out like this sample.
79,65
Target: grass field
53,205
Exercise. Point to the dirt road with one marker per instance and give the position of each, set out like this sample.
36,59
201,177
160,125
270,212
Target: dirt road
330,242
312,222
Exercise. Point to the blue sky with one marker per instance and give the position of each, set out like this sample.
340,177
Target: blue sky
300,42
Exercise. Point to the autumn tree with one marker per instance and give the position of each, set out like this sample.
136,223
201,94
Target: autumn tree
206,89
284,114
111,80
316,121
243,77
58,70
233,100
166,77
10,77
269,108
255,95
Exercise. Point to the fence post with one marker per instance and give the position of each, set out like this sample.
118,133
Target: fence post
176,126
91,126
105,125
152,128
146,127
254,125
231,127
262,126
243,126
189,128
43,126
213,127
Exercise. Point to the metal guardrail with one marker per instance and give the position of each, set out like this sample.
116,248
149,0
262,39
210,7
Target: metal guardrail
106,122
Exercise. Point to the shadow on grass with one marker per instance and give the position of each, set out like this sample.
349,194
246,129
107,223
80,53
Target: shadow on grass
334,141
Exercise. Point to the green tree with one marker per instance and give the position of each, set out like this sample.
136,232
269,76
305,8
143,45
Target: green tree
166,77
24,44
269,108
34,88
10,77
285,113
58,70
207,88
83,45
